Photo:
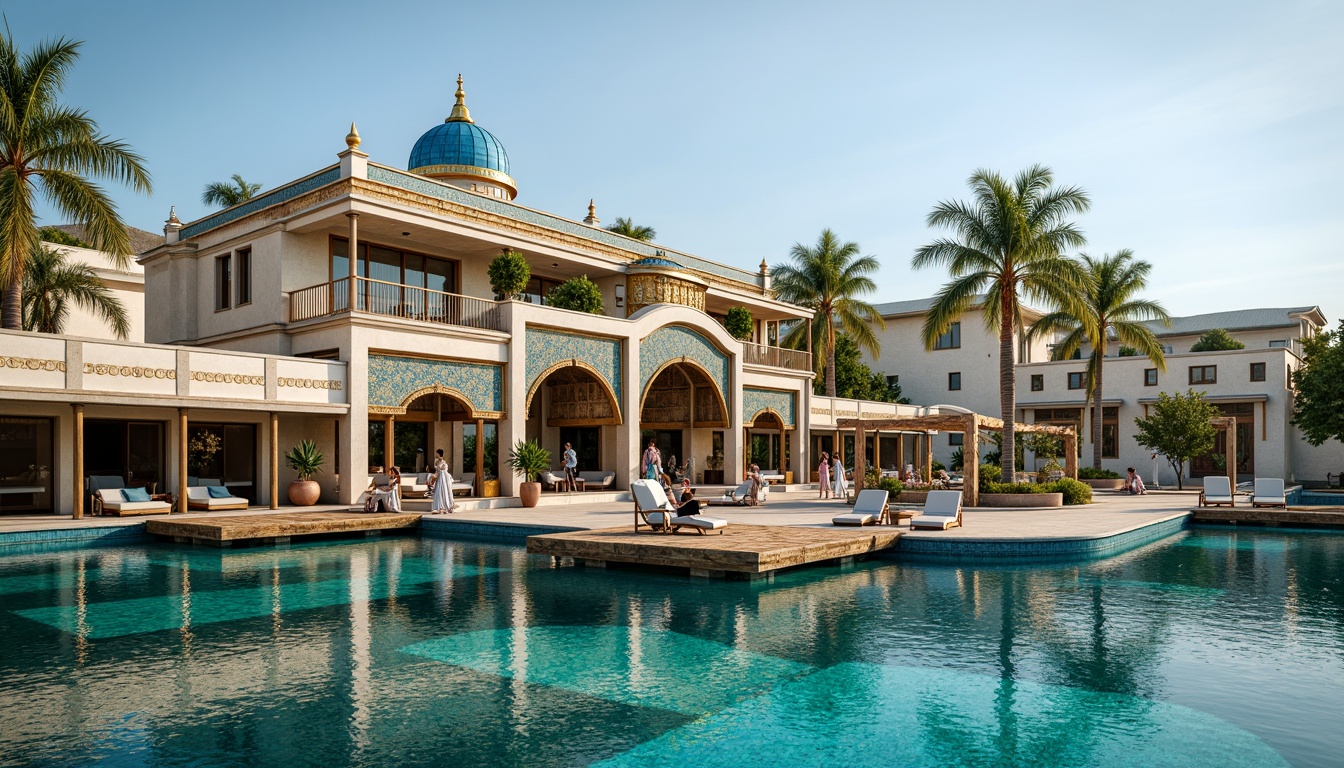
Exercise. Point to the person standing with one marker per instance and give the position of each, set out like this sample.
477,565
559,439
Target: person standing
824,476
653,462
442,485
571,466
838,479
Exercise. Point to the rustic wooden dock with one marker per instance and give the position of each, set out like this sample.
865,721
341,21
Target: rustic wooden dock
741,550
224,531
1309,517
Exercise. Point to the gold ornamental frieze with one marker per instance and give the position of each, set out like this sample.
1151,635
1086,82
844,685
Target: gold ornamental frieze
228,378
310,383
643,290
129,371
32,363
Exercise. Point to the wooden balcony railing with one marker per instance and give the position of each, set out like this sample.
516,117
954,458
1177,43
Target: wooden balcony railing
760,354
395,300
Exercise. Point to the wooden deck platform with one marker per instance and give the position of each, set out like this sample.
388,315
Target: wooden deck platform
225,531
750,550
1310,517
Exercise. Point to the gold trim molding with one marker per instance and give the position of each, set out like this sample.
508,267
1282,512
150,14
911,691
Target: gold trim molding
33,363
228,378
129,371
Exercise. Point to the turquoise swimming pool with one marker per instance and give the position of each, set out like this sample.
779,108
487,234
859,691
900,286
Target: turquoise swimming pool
1208,648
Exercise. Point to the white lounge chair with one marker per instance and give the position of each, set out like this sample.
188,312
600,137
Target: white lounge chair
598,480
112,501
742,493
869,508
1269,493
659,514
552,481
198,497
1217,492
942,510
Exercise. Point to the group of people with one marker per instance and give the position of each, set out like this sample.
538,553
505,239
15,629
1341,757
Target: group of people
384,494
831,478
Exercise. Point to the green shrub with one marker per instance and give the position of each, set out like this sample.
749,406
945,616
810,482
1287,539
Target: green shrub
1074,491
1216,340
528,459
958,459
1092,473
891,485
937,465
509,273
739,323
1013,488
989,473
579,294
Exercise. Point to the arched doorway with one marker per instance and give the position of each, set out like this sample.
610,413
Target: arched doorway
571,403
683,411
436,418
767,442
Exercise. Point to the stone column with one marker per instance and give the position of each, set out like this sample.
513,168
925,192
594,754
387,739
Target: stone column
275,460
353,252
182,460
480,456
79,461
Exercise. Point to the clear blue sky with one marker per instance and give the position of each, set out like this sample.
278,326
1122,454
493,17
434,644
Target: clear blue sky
1208,133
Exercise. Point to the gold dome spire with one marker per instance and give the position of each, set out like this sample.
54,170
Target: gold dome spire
459,113
352,138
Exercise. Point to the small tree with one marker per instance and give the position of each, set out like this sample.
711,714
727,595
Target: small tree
528,459
1216,340
1319,407
305,459
1178,428
739,323
509,273
579,294
60,237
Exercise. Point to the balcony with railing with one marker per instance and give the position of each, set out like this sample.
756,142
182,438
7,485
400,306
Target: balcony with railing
777,357
395,300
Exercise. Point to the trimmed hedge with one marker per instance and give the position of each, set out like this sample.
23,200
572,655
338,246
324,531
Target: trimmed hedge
1092,473
1074,492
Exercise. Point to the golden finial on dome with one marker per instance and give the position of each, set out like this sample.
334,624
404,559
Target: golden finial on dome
764,267
172,215
459,113
592,219
352,138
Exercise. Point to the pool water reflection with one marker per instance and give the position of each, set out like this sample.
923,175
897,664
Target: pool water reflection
1210,648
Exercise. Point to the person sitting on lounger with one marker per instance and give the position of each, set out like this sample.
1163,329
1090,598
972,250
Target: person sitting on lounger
687,507
687,492
386,494
754,495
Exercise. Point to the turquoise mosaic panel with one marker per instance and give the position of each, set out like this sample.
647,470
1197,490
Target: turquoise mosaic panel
784,403
392,379
672,342
546,348
302,186
430,188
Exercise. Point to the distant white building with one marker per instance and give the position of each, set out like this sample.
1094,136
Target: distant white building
126,284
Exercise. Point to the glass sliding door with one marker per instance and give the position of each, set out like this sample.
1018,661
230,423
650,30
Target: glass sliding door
26,459
224,453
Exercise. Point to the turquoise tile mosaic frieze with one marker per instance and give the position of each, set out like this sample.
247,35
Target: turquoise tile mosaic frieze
672,342
784,403
392,379
302,186
546,348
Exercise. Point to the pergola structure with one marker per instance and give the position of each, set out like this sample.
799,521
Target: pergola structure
1229,425
968,423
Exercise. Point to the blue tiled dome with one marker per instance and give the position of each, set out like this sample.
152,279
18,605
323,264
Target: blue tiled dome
656,261
459,143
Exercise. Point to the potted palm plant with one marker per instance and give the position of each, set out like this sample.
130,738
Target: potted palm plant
528,459
306,461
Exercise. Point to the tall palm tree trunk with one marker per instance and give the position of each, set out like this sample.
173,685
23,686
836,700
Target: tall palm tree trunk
1097,410
1007,395
830,360
11,316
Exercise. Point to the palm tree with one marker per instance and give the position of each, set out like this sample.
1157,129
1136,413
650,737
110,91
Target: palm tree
51,284
827,279
48,150
1108,307
226,194
627,227
1009,241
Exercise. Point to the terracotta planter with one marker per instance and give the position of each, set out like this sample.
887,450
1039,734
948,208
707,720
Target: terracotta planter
304,493
1021,500
1106,484
529,493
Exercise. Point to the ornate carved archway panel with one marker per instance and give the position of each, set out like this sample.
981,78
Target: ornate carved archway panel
395,381
578,396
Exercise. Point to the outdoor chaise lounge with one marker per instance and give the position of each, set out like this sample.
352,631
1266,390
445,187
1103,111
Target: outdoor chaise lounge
598,480
127,501
1269,493
656,512
1217,492
213,498
942,510
869,508
742,493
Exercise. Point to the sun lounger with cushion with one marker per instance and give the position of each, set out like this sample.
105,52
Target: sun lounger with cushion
942,510
1269,493
659,514
598,480
1217,492
113,501
869,508
200,497
742,493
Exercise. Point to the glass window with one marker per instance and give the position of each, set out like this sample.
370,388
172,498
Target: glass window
385,265
1037,382
244,276
955,438
1257,371
26,463
1278,343
1150,377
893,381
223,272
954,381
1110,433
1203,374
951,339
1076,380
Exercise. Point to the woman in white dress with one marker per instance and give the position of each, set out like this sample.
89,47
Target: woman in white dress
838,478
443,487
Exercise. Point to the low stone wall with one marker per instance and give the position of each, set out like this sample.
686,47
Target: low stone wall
1106,484
1021,500
913,497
